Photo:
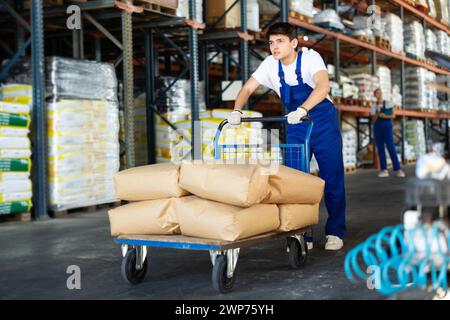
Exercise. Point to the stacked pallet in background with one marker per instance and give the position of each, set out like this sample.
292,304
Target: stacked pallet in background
442,42
349,142
418,95
302,7
15,150
415,144
393,27
366,85
171,146
430,40
442,11
384,76
414,39
183,9
82,127
216,8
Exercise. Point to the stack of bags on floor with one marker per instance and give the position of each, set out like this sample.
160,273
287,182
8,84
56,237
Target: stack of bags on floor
214,200
15,149
83,132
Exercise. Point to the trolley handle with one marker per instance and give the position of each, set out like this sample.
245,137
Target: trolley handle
261,119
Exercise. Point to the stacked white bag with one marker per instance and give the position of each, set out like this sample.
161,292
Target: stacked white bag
83,133
15,149
394,31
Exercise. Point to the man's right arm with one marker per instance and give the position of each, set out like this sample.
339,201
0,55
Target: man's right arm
246,91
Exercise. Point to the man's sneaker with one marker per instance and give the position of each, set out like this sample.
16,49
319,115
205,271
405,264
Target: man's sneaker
399,173
383,174
334,243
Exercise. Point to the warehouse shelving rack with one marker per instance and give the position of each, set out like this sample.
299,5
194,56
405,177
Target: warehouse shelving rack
96,13
176,37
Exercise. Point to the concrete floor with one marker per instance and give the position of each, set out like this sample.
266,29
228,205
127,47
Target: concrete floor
36,255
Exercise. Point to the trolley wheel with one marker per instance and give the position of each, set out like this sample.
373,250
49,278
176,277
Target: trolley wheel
298,252
220,280
129,271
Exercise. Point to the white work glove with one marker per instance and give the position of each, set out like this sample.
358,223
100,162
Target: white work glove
234,118
294,117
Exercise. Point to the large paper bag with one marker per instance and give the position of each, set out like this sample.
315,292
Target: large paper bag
213,220
291,186
236,184
156,181
144,217
297,216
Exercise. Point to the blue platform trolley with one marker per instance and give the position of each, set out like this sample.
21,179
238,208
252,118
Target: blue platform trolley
224,254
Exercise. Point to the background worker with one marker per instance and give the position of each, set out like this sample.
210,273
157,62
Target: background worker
301,81
382,115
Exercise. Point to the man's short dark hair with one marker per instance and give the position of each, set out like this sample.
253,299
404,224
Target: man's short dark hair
283,28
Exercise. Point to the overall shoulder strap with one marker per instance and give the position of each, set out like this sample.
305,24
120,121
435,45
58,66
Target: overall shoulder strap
298,68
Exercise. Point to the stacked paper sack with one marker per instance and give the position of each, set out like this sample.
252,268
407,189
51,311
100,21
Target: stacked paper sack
366,84
393,26
304,7
214,200
415,39
349,141
418,95
83,127
15,149
415,144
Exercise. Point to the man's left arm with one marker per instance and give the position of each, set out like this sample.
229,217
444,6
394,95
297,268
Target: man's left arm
320,92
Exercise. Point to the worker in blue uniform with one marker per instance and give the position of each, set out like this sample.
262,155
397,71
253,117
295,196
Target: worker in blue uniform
300,78
382,115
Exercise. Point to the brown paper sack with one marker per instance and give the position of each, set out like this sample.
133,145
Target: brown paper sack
289,186
237,184
296,216
213,220
144,217
156,181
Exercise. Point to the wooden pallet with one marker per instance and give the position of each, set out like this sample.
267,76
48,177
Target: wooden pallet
364,103
87,209
349,169
350,101
156,7
364,39
383,43
300,17
17,217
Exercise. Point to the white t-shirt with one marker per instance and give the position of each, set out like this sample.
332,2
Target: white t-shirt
267,72
385,108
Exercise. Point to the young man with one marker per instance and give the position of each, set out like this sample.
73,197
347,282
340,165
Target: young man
382,114
301,81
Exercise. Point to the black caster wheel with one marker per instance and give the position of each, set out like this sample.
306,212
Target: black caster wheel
220,280
129,271
298,252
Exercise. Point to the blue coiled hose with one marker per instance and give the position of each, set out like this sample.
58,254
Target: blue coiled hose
401,263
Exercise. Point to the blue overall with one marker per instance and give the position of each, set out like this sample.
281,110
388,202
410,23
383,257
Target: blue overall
325,142
384,135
